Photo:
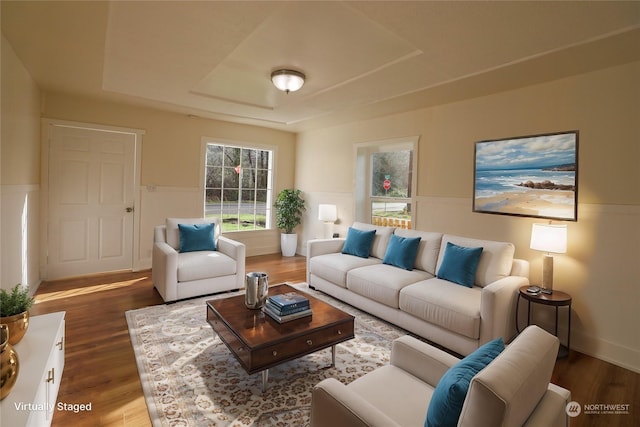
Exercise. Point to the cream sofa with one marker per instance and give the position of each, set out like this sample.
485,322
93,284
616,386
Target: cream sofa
454,316
512,390
183,275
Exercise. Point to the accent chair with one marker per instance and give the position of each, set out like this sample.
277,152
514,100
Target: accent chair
190,258
511,390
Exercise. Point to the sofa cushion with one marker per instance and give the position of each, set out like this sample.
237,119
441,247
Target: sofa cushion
196,237
334,267
495,262
204,265
358,242
450,306
382,283
428,249
381,239
511,386
449,395
173,233
402,251
459,264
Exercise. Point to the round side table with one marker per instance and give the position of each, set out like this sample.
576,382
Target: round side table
557,299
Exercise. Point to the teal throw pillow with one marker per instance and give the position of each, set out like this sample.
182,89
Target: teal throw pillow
402,251
449,395
196,237
358,242
459,264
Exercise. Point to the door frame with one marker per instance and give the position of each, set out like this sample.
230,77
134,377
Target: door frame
45,135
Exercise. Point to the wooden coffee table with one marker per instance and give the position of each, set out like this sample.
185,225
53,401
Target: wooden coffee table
260,343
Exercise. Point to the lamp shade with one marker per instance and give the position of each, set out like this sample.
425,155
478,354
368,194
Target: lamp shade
287,80
327,213
549,238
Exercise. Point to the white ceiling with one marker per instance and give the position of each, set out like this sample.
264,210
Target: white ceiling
362,59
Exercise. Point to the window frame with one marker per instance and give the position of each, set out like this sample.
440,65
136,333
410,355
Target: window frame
271,184
363,172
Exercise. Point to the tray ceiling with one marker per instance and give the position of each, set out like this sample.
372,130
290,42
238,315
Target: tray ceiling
362,59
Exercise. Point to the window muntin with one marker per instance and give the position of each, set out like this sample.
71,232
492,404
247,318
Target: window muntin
238,186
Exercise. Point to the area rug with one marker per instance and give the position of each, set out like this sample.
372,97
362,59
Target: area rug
190,378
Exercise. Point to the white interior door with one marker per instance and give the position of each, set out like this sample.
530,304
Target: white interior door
91,195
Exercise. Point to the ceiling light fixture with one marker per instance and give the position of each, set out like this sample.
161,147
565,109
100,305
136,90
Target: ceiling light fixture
287,80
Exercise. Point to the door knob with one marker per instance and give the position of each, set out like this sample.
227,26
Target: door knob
129,209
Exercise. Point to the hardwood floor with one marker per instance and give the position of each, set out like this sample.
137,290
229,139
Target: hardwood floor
100,366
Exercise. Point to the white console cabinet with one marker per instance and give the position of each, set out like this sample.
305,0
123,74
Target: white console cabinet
32,400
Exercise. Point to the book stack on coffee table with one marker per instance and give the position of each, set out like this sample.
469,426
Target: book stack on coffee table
285,307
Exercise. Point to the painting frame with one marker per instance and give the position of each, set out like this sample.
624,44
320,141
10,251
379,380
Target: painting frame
529,176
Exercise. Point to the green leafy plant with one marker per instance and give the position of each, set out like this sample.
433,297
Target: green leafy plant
15,302
289,208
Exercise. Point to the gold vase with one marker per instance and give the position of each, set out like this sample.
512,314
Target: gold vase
17,324
9,364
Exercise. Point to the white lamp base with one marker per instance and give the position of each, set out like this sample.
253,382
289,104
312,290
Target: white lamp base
547,274
328,229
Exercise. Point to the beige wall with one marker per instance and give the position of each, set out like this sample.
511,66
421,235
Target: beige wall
170,180
171,144
20,122
602,105
20,173
170,175
601,269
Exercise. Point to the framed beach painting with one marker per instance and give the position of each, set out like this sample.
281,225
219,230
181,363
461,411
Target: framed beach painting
532,176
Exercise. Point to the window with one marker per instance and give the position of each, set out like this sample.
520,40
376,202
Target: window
238,186
384,182
391,173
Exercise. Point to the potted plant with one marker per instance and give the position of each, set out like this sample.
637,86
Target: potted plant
289,208
14,311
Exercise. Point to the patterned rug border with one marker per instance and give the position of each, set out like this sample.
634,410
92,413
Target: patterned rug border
158,418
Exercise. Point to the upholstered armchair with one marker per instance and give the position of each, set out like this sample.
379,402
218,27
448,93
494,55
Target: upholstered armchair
513,389
191,258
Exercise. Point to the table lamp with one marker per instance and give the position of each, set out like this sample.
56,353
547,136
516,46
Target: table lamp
327,214
549,238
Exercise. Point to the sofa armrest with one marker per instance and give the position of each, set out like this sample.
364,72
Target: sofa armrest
334,404
420,359
164,270
520,267
498,308
160,233
231,248
317,247
237,251
551,411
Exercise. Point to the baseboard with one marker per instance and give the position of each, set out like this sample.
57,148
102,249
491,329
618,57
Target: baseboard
610,352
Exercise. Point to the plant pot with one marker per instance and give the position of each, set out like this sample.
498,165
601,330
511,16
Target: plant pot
9,364
18,324
288,244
